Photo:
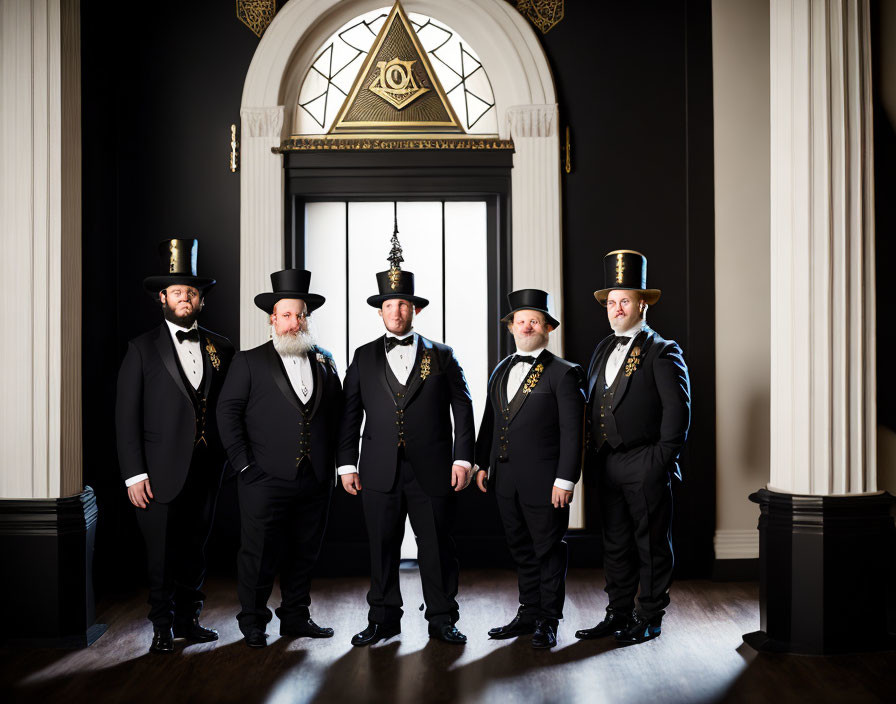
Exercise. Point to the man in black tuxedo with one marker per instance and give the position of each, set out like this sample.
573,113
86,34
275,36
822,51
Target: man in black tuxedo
279,415
530,446
638,416
406,384
168,446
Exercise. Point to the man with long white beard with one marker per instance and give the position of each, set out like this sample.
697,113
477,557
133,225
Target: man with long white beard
638,413
530,447
279,415
168,446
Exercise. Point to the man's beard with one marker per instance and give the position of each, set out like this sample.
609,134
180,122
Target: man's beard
185,321
293,344
621,325
527,343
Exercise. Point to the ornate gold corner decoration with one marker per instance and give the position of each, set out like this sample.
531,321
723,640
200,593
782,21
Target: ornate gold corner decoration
392,143
256,14
544,14
396,88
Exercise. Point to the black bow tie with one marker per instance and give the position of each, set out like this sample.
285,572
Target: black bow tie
528,359
187,335
621,340
391,342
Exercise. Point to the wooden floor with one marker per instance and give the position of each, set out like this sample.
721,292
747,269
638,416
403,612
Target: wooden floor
700,656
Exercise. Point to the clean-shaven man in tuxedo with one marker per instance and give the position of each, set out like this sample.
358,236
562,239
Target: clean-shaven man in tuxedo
530,448
407,387
168,446
638,415
279,416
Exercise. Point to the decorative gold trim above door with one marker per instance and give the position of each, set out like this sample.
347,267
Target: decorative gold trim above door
392,142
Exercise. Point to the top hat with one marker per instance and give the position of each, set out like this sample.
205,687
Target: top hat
396,283
625,269
179,267
289,283
530,299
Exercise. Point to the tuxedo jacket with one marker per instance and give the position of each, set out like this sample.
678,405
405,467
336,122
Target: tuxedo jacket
425,417
261,418
544,428
155,419
652,405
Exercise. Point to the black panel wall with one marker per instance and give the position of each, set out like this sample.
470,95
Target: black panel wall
634,84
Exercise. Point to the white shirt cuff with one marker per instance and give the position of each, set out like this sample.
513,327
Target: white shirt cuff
464,464
346,469
136,479
564,484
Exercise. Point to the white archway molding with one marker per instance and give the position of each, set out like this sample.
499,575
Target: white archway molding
527,113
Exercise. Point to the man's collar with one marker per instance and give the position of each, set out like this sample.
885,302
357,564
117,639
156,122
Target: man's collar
174,328
400,337
534,353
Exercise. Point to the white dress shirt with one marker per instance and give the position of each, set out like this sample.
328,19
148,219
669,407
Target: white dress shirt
619,353
401,360
301,376
190,355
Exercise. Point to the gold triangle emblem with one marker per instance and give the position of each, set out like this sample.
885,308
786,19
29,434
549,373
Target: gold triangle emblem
396,89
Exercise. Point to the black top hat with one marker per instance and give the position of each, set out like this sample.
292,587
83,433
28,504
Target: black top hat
625,269
396,283
530,299
289,283
179,267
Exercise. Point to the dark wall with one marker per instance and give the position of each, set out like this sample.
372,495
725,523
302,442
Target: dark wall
634,83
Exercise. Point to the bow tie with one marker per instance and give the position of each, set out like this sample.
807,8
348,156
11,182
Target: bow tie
391,342
528,359
621,340
187,335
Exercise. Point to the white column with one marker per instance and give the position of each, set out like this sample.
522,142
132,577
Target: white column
261,215
535,198
40,227
823,380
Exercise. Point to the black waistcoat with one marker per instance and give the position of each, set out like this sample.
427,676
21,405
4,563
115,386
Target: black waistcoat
603,420
200,404
399,395
303,453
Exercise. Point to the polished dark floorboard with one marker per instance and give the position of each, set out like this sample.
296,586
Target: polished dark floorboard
699,658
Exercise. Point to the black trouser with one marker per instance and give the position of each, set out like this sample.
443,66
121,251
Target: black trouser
535,538
282,526
432,519
636,514
175,534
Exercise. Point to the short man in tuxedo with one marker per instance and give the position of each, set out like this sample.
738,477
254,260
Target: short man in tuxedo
406,385
638,415
279,415
168,446
530,447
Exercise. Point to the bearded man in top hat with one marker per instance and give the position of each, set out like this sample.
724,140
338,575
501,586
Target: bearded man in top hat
279,415
406,385
638,415
168,445
530,446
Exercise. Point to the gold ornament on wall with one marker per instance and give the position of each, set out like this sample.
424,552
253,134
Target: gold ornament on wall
544,14
256,14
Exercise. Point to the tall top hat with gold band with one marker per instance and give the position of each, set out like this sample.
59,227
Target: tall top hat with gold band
530,299
178,267
289,283
396,283
625,269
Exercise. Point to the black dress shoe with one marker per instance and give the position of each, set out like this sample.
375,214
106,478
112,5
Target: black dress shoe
162,641
305,629
545,634
375,632
518,627
195,633
256,638
448,633
613,622
640,629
